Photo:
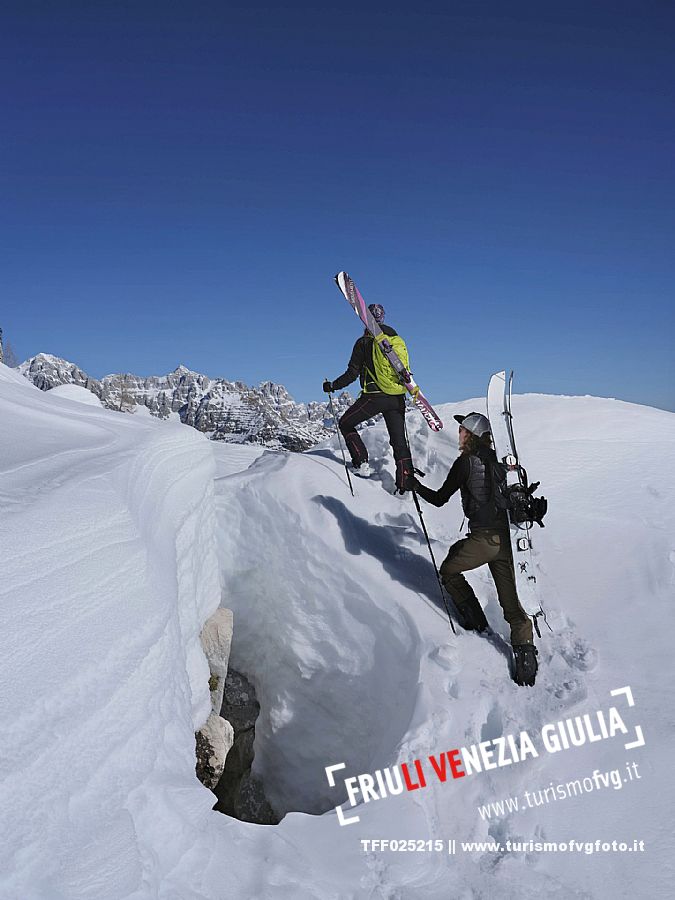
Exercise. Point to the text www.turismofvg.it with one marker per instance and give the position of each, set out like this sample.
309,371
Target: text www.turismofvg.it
596,781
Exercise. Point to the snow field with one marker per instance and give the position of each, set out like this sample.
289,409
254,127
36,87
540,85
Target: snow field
441,691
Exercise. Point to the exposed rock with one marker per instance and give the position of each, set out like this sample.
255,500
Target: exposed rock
215,738
216,639
46,371
225,743
213,742
240,793
224,410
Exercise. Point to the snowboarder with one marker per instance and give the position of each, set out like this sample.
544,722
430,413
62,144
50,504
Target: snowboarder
488,542
381,392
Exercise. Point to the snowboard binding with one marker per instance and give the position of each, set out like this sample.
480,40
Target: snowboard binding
524,508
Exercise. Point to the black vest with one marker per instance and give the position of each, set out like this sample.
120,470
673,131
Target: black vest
478,494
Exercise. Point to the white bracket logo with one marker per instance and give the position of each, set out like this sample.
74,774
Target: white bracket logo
639,736
338,809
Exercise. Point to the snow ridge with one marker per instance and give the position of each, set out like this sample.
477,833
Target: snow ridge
110,568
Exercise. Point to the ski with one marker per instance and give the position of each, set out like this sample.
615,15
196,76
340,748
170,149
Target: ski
353,296
501,422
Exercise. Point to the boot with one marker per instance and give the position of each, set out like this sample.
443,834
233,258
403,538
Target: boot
404,475
525,669
471,615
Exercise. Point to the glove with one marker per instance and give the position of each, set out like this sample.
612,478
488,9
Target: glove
410,483
328,387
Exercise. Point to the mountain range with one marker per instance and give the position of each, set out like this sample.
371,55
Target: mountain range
224,410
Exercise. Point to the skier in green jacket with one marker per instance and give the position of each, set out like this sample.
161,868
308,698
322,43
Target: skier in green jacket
372,401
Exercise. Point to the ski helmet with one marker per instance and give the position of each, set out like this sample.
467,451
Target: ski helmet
378,312
475,423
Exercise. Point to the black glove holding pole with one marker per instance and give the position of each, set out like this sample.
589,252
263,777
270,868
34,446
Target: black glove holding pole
410,482
328,387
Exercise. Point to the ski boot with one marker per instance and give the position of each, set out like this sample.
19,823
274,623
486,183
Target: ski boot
405,476
525,668
471,616
363,470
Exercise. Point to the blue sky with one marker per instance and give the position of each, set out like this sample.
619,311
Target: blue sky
180,182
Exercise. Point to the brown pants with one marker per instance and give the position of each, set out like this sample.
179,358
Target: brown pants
493,548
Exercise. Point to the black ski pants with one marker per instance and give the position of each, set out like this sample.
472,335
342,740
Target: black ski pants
392,408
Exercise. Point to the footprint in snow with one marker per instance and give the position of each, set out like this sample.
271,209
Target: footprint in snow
493,726
575,650
453,690
578,653
447,658
567,692
399,521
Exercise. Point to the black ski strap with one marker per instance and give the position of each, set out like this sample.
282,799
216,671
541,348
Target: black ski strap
536,624
534,621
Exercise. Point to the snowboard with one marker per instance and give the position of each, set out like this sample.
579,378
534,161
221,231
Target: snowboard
501,423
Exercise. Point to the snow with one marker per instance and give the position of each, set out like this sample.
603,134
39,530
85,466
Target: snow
75,392
121,534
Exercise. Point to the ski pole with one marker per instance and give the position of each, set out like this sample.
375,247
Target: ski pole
337,432
426,535
433,560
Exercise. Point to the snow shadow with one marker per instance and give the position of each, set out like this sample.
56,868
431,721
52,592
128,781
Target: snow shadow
326,453
410,569
383,543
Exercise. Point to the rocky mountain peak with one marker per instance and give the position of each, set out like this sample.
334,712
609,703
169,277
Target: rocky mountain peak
224,410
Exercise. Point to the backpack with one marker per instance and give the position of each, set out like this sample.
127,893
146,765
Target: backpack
383,373
515,499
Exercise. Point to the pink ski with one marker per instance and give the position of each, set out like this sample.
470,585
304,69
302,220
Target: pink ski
353,297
